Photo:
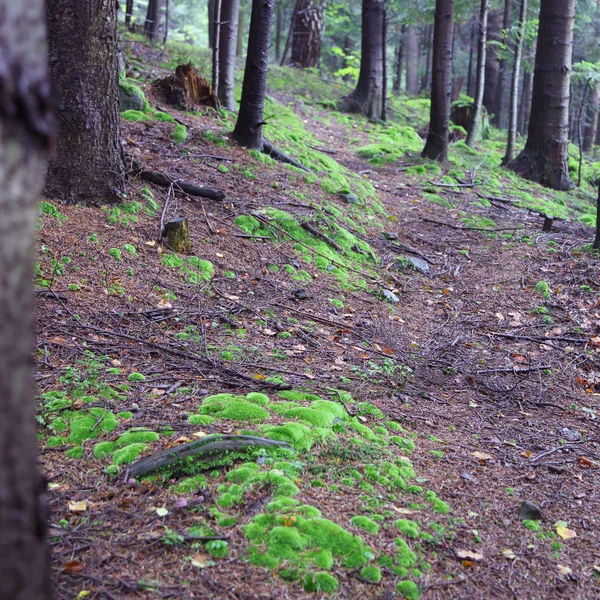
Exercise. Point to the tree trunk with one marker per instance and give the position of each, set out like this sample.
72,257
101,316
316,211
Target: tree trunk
367,98
426,80
596,243
166,35
307,33
384,66
474,127
591,125
215,48
87,165
514,85
152,19
230,11
248,129
128,13
525,106
241,31
278,32
492,63
400,35
500,118
25,127
436,146
412,61
545,156
470,82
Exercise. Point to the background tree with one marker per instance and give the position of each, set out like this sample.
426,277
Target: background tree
475,125
87,165
152,20
436,146
230,11
248,128
367,97
25,126
128,13
412,61
544,158
307,34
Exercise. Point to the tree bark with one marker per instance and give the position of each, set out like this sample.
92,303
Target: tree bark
500,118
545,156
166,35
241,31
492,63
470,70
436,146
307,34
412,61
426,79
230,11
25,127
128,13
152,20
474,127
525,106
215,48
88,164
278,32
211,22
514,86
367,98
591,125
400,36
248,129
596,243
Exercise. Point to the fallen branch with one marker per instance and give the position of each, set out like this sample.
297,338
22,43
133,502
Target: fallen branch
211,447
540,340
280,156
314,231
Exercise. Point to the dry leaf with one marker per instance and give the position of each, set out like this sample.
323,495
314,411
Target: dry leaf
74,566
80,506
509,554
199,434
269,332
404,511
481,456
565,533
162,511
467,554
563,570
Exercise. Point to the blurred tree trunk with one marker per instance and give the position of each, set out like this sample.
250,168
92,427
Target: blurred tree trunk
525,105
502,98
128,13
470,82
307,34
367,98
211,22
492,63
152,19
88,164
545,156
248,129
278,31
436,146
400,35
428,37
230,10
241,33
412,61
474,127
25,128
591,125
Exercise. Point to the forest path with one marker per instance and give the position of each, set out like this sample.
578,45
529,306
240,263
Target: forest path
505,378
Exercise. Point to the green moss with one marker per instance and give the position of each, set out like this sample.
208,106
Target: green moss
440,506
365,523
134,115
128,454
404,443
136,377
131,88
371,573
409,528
136,437
191,485
243,473
163,117
404,555
408,589
217,548
323,559
532,525
365,431
309,415
180,133
104,449
75,452
201,420
55,441
258,398
206,269
89,426
125,415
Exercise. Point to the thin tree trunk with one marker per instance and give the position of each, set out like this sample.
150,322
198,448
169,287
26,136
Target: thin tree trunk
248,129
412,61
436,146
580,131
215,47
384,76
241,31
25,128
545,156
211,22
166,22
471,49
307,33
500,119
230,12
88,164
278,32
492,63
514,85
128,13
474,127
525,106
290,35
152,20
367,98
400,32
426,81
591,125
596,243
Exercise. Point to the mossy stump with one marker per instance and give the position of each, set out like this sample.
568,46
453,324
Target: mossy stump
177,234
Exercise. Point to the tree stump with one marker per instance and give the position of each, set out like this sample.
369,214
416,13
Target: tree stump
177,234
548,222
186,89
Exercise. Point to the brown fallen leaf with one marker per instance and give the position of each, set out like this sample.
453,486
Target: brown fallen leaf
565,533
74,566
468,555
80,506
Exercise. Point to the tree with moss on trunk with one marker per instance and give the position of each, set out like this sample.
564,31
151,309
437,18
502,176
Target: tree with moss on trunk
367,98
88,164
436,146
25,129
545,156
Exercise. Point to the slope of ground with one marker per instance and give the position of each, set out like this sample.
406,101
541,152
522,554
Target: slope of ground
428,356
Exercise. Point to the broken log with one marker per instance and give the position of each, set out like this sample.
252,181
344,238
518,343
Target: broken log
212,447
177,234
548,223
184,186
186,89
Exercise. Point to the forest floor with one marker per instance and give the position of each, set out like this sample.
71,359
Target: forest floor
431,357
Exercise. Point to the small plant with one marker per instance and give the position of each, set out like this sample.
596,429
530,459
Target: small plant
543,288
171,538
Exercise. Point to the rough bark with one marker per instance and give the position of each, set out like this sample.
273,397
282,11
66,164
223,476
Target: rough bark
591,125
502,98
215,48
475,126
544,158
25,126
367,98
87,165
248,128
128,13
436,146
152,19
412,61
211,22
596,243
492,63
307,34
514,86
230,10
